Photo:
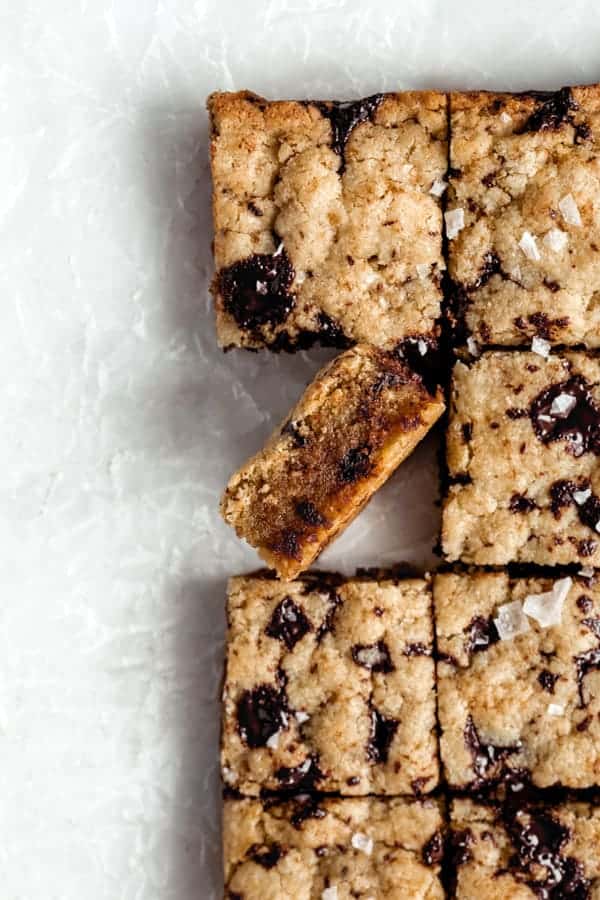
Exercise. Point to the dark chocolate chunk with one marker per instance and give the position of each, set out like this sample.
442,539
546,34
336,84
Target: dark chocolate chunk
267,857
261,713
547,680
585,663
331,333
584,603
256,291
579,428
520,503
459,847
305,807
382,734
481,634
355,464
467,432
344,117
488,759
288,623
374,657
309,513
491,265
555,110
433,850
303,777
515,412
417,649
430,366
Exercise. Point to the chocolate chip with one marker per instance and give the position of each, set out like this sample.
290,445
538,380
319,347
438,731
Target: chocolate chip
430,366
583,132
355,464
491,265
433,850
306,807
256,291
540,324
267,857
344,117
459,847
579,428
584,603
309,513
303,777
481,634
331,333
585,663
261,713
374,657
467,432
487,758
382,734
254,209
288,623
555,109
561,495
417,785
547,680
520,503
516,413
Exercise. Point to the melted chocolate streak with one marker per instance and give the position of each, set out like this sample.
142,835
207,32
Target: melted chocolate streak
344,117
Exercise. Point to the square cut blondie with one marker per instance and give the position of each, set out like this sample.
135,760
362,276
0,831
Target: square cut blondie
327,218
518,679
523,449
329,686
362,415
523,217
306,849
525,850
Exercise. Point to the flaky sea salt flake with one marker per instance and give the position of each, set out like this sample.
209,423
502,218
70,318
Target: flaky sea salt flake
438,187
580,497
455,222
422,346
529,246
563,404
330,893
511,621
569,210
360,841
546,608
473,346
423,270
541,347
554,709
301,716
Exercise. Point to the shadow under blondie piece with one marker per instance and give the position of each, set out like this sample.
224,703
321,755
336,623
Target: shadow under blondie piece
329,686
331,849
523,217
363,414
328,220
523,453
518,680
525,850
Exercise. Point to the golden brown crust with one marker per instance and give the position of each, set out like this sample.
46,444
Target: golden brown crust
361,416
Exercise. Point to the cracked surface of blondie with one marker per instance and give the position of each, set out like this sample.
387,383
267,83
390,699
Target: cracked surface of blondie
523,447
333,849
360,417
329,686
524,706
525,173
525,851
325,224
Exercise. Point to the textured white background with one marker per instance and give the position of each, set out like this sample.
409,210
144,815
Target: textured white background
121,421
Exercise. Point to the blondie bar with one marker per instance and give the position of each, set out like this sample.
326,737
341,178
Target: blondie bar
518,679
329,686
523,216
523,449
328,220
361,416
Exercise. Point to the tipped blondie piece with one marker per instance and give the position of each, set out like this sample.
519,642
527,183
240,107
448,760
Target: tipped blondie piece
523,217
329,686
525,850
518,679
361,416
327,218
305,849
523,449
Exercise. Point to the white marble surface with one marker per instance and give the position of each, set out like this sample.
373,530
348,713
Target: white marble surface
121,421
